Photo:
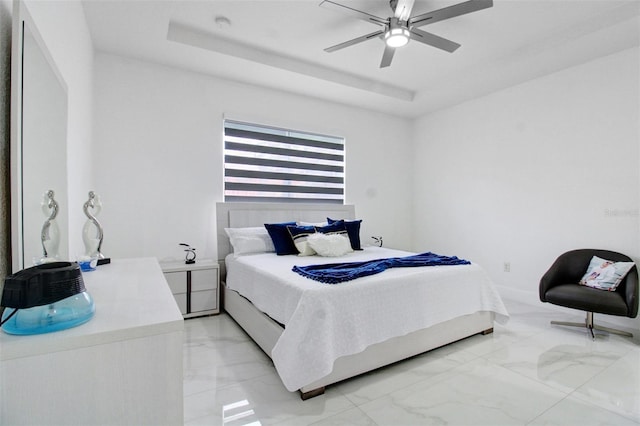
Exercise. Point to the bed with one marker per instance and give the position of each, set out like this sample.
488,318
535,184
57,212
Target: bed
319,334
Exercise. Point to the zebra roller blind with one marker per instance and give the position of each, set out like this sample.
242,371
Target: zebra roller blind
278,165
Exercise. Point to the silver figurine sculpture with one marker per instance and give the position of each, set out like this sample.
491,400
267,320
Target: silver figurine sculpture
50,234
92,232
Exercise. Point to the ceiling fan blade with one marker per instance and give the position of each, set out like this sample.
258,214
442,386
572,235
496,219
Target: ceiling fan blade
387,56
354,12
449,12
403,9
354,41
433,40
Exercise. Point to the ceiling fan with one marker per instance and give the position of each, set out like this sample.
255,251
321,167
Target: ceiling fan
401,27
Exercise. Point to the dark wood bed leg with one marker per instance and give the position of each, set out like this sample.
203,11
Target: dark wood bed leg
311,393
487,331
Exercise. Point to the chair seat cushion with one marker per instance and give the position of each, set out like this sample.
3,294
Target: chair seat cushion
587,299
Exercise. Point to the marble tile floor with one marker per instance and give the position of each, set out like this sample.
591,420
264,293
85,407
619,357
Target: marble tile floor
527,372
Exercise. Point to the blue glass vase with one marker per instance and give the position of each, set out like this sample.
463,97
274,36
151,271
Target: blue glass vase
60,315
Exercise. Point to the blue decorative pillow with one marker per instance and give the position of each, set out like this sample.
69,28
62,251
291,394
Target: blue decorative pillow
299,235
336,227
353,229
281,238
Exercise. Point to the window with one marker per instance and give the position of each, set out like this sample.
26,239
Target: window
269,164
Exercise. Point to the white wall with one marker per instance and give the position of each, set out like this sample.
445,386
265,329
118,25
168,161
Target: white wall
529,172
63,27
158,155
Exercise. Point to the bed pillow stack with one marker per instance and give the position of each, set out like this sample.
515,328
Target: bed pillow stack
307,239
331,240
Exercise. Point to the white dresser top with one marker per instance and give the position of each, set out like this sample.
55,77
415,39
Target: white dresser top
132,300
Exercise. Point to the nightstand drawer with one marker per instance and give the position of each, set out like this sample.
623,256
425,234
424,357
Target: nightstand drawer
206,279
205,300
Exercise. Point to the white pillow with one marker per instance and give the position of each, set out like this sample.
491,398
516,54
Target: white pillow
250,240
330,245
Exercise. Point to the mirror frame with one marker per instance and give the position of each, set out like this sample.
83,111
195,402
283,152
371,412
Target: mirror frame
22,18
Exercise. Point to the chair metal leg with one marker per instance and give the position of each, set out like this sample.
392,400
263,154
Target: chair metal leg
588,323
613,331
569,324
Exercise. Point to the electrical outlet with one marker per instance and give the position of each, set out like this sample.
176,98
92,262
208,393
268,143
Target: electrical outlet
507,266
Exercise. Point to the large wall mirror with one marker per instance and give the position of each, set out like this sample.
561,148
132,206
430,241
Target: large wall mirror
38,147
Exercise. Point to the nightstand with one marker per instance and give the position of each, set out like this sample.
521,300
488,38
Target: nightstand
195,286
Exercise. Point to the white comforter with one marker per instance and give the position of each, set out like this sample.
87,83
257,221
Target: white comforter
324,322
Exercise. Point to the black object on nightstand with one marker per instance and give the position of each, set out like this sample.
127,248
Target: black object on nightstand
190,257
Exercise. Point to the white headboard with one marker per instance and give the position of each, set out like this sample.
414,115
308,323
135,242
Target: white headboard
240,215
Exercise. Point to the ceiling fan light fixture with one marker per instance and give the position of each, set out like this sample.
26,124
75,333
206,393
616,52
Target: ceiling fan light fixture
396,37
397,34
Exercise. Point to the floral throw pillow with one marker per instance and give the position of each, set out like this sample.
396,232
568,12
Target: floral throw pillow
605,274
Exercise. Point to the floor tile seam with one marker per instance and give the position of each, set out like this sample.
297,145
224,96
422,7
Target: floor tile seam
533,379
575,387
585,400
439,377
602,368
215,388
336,414
211,342
260,370
495,408
498,346
567,393
217,362
440,373
610,366
526,334
367,415
208,390
217,333
630,348
200,420
477,355
235,382
186,419
195,421
547,410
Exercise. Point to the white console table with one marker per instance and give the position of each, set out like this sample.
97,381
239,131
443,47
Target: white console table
124,366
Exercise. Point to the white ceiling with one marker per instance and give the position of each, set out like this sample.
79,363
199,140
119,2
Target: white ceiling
280,44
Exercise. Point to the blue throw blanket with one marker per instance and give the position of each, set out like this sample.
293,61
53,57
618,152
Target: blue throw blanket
334,273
